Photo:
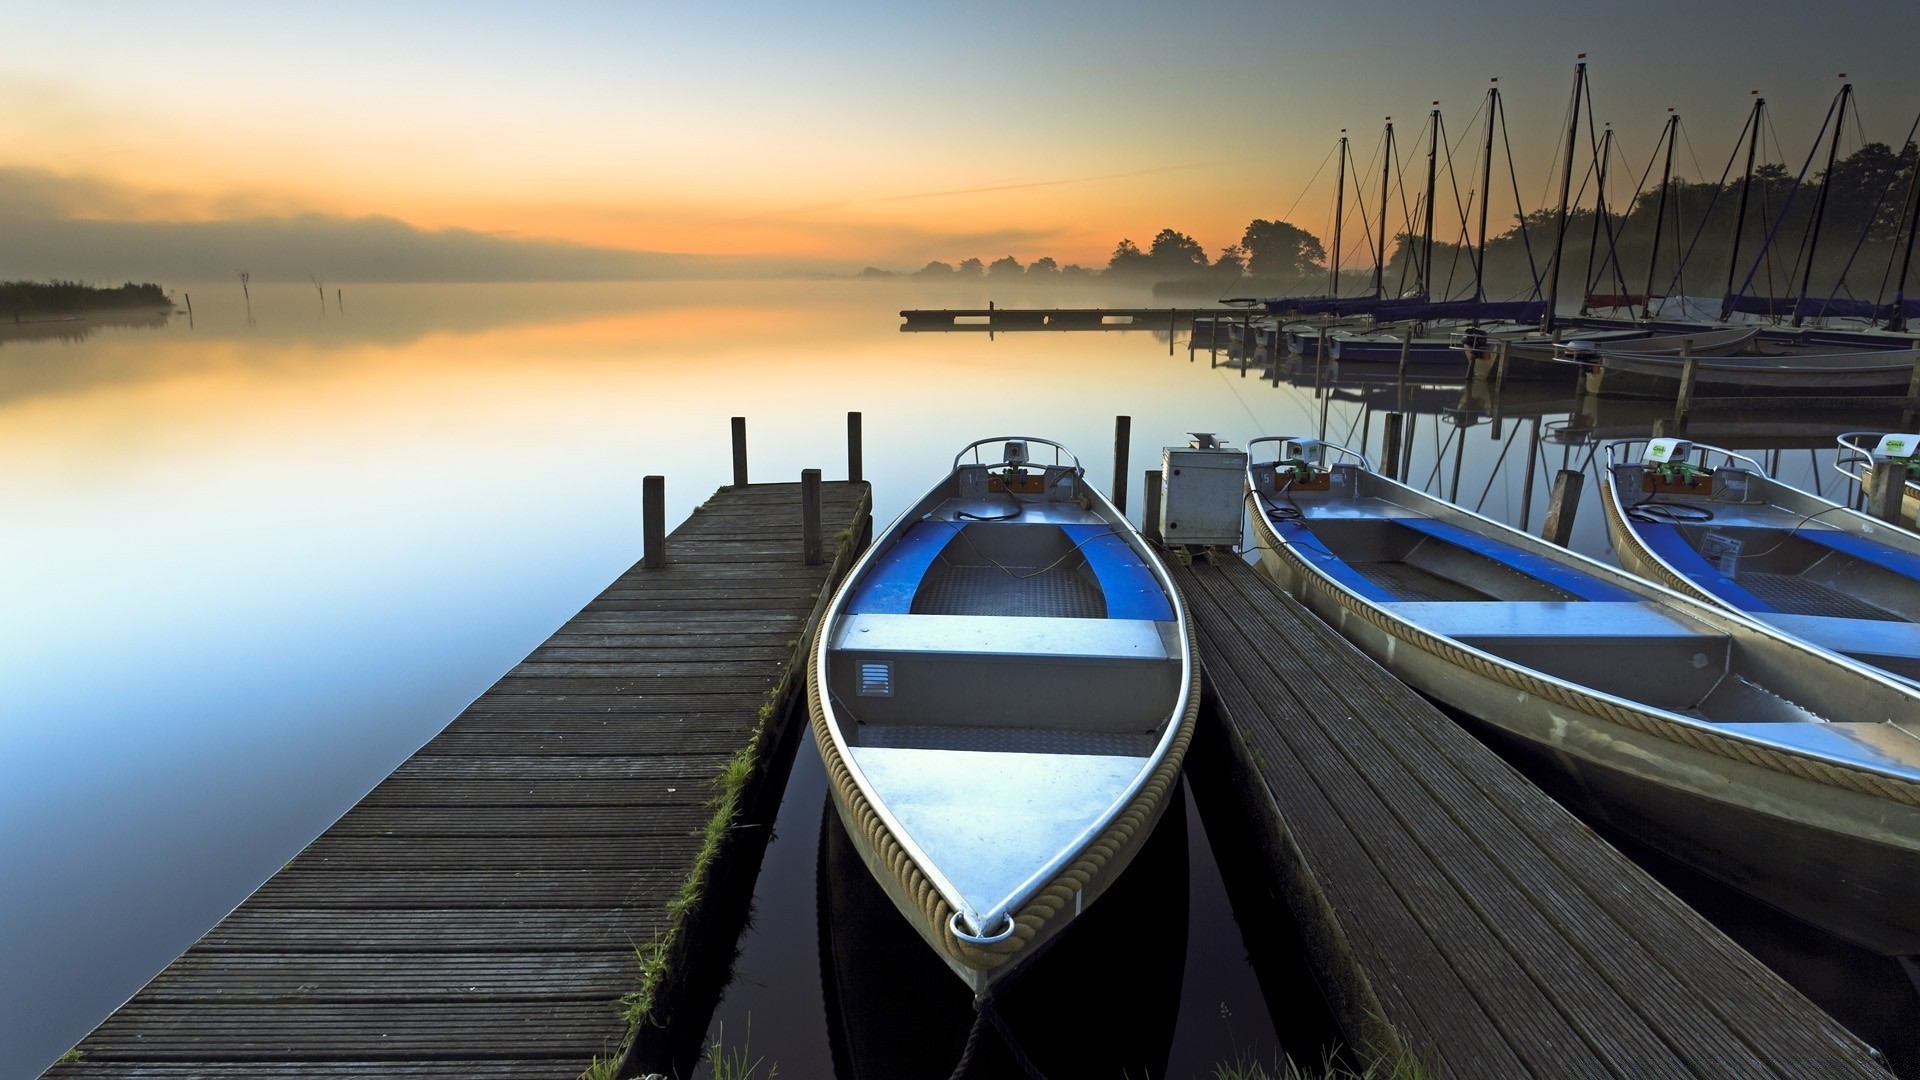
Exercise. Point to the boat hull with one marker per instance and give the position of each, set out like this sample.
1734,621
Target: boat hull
1003,702
1842,858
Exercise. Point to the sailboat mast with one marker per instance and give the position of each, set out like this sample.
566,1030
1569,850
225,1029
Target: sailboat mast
1566,189
1486,190
1433,160
1660,215
1380,252
1820,204
1740,216
1898,320
1339,213
1599,213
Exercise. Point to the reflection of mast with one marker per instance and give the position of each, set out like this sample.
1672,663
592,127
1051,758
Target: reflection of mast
1486,191
1660,215
1740,216
1339,212
1820,203
1433,150
1380,252
1566,189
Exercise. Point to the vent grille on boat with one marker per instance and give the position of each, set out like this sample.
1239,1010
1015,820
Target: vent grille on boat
876,679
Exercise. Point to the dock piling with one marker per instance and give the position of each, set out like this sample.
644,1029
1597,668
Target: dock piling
1150,507
1558,527
653,521
1884,491
1390,446
1683,402
810,517
1913,392
739,451
1122,442
854,472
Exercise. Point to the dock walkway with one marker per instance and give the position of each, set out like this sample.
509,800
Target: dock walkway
1455,914
476,915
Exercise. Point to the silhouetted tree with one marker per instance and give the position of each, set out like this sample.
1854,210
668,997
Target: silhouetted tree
1042,266
1127,259
971,268
1232,261
1075,270
1175,254
1005,266
935,269
1277,249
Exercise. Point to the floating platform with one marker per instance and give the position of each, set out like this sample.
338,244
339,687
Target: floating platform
1456,916
936,320
477,914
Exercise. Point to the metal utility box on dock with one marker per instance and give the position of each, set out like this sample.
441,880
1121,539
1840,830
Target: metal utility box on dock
1201,494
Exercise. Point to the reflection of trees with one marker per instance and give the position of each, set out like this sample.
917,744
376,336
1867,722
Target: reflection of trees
79,328
21,300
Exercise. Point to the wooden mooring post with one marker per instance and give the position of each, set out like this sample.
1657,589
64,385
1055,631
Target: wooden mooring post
739,451
810,517
1558,527
1390,436
1150,507
854,471
1884,491
1122,442
653,521
1913,393
1683,401
1526,486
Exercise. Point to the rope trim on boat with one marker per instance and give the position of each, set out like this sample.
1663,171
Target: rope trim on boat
1626,548
1644,721
1094,866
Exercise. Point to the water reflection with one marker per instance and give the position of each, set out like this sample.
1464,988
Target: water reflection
1101,1001
248,569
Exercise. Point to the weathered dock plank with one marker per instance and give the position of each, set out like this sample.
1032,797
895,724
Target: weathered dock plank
476,915
1459,916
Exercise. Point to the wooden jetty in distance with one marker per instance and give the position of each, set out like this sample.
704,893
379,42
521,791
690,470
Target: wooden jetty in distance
997,319
1455,915
480,913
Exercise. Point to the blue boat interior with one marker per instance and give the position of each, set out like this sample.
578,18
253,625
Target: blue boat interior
1772,571
1044,633
1011,569
1395,559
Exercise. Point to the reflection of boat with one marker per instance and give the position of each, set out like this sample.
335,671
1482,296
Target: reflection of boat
1003,693
894,1013
1855,461
1861,371
1787,772
1558,356
1713,525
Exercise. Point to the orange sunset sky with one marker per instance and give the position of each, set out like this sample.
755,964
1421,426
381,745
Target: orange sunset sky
799,137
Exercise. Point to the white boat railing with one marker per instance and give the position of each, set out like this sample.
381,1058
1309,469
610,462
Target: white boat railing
1707,457
1304,442
1005,440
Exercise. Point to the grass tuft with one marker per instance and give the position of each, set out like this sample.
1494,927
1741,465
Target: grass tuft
736,1063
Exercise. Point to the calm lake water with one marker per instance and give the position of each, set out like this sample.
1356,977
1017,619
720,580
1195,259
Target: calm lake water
248,567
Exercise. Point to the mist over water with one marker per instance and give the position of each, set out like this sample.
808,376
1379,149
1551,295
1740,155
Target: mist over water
249,565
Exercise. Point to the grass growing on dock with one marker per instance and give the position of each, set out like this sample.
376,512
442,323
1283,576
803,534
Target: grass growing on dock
1245,1066
737,1062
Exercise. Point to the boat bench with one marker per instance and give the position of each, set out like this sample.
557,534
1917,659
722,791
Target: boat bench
1637,651
1866,550
1566,578
1666,541
1109,675
1891,645
1131,590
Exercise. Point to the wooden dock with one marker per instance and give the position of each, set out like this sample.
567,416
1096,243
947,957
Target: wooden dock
478,913
1456,916
999,319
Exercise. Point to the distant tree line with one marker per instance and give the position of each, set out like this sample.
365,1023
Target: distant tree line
1862,238
20,299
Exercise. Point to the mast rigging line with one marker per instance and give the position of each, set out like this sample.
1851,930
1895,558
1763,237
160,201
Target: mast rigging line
1867,227
1767,244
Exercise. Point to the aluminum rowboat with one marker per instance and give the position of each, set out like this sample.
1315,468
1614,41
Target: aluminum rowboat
1790,773
1003,693
1719,529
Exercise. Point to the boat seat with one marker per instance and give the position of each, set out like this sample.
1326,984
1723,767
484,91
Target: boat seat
1866,550
1115,675
1569,579
1312,549
1131,589
1666,541
1894,646
1639,651
894,577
